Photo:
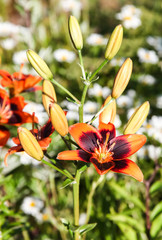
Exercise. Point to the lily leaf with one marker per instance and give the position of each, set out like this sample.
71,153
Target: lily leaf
129,232
86,228
123,193
66,183
157,209
156,226
157,186
127,220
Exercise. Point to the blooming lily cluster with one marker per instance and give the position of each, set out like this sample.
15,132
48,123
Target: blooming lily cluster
101,146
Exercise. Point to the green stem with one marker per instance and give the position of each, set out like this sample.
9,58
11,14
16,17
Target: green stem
98,69
67,174
65,90
82,103
25,235
81,64
101,110
76,202
90,199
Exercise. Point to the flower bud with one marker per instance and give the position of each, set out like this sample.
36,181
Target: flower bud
137,119
109,113
58,119
30,144
75,33
122,78
114,42
39,65
49,95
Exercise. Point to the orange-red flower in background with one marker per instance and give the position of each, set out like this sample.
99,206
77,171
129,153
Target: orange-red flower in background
19,82
104,150
42,135
11,113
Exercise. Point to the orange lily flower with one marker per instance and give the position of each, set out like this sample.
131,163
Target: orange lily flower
104,150
42,135
19,82
11,113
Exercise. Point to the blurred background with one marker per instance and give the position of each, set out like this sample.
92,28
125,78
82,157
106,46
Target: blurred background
33,200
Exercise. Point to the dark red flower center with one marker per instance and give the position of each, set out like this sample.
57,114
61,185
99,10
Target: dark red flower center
104,153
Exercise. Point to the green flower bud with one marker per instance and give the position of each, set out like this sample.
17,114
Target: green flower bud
75,33
114,42
39,65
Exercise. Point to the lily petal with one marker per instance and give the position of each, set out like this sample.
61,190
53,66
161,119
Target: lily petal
74,155
107,128
128,167
4,135
102,168
126,145
86,136
12,150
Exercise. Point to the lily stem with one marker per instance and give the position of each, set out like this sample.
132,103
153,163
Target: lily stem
76,203
65,90
67,174
101,110
82,103
82,65
98,69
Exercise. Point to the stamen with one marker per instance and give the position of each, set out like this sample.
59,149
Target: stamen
20,72
106,141
112,146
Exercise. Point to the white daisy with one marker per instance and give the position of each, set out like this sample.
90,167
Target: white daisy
8,29
25,159
98,91
8,43
31,205
131,93
129,21
154,152
156,42
124,101
142,152
147,79
42,216
20,57
64,55
117,61
73,6
159,102
82,219
154,128
96,39
117,121
131,9
39,111
90,107
147,56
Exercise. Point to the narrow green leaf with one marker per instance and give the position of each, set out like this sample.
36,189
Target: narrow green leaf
157,186
156,226
86,228
66,183
157,209
121,192
127,220
128,232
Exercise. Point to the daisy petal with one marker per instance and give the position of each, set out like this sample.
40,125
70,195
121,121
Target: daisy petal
74,155
128,167
101,168
107,128
126,145
86,136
